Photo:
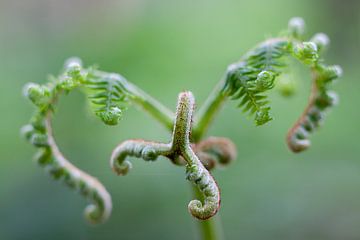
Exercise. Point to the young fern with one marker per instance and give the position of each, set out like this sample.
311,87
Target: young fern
109,93
109,96
321,98
178,147
255,74
215,150
247,81
39,133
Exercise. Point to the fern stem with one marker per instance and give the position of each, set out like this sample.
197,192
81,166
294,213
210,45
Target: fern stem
208,111
142,99
87,185
152,106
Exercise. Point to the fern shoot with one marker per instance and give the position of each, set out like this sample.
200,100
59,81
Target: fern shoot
247,82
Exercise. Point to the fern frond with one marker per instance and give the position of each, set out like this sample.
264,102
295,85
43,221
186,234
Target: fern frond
39,133
179,147
248,80
320,101
108,96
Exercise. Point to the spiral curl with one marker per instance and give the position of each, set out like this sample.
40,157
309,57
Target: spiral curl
320,101
321,98
39,133
178,148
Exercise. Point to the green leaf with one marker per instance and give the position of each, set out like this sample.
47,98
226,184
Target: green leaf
108,97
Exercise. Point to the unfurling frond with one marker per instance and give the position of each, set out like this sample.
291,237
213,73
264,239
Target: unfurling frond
296,28
109,93
248,80
179,147
320,101
321,40
108,96
39,133
215,150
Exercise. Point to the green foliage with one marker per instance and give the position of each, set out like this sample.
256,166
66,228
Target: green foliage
109,97
296,28
179,146
321,98
39,134
306,52
320,101
247,81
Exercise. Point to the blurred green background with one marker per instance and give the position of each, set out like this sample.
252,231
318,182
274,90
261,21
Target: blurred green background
166,47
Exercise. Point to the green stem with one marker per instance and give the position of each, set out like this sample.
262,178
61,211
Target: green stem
145,101
210,229
152,106
208,111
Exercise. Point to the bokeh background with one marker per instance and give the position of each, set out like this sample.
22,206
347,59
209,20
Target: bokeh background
166,47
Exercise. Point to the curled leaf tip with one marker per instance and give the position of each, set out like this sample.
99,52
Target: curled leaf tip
265,80
207,185
110,117
320,101
296,27
149,151
262,116
321,40
179,147
101,211
37,94
73,63
215,150
332,72
306,52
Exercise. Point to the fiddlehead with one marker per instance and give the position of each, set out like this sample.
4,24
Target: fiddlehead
249,79
178,147
146,150
256,73
216,150
39,133
196,172
109,94
319,102
321,99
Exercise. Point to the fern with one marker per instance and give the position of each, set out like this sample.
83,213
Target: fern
320,101
179,147
249,79
108,96
247,82
39,133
